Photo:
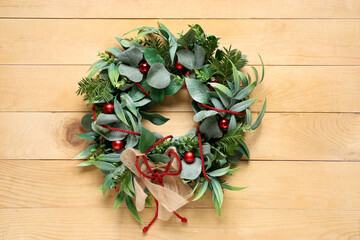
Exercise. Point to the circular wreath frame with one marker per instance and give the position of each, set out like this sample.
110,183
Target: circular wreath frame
128,80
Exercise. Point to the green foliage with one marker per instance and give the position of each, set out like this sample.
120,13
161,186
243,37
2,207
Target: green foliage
95,90
231,140
221,65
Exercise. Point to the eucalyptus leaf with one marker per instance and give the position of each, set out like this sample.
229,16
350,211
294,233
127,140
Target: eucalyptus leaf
222,88
260,117
199,57
241,106
245,91
147,139
226,186
119,199
197,90
186,58
114,50
157,95
204,114
219,172
131,56
104,119
202,190
159,158
133,73
191,170
86,121
88,136
106,184
85,153
104,166
113,72
119,111
151,56
130,204
110,157
210,128
155,118
158,77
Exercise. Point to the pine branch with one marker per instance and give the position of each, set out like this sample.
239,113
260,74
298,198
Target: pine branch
95,90
230,141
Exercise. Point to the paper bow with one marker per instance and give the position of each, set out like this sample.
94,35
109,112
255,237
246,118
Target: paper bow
172,196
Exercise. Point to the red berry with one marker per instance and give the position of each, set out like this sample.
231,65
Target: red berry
144,67
109,108
213,80
118,144
189,157
178,65
224,123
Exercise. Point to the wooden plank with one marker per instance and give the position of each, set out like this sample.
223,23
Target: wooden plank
280,42
287,88
282,136
270,185
203,224
180,9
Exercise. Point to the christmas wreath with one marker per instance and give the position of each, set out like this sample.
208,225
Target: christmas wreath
143,166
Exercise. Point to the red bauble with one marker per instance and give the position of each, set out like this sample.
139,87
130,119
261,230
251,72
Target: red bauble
108,108
144,67
213,80
118,144
224,123
189,157
178,65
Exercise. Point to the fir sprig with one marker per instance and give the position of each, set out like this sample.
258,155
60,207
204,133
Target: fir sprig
231,140
95,89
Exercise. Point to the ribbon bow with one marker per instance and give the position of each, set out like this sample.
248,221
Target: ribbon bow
170,195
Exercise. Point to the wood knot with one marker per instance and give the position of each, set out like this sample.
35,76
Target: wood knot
72,129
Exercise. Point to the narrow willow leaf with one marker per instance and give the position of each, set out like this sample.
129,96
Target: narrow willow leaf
132,120
236,77
243,79
219,172
85,153
244,149
85,163
245,92
217,204
132,209
140,29
222,88
233,170
241,106
202,190
232,125
114,50
97,66
256,74
155,118
106,184
119,199
248,117
129,103
104,166
226,186
113,72
110,157
142,102
119,111
260,117
88,136
262,68
157,157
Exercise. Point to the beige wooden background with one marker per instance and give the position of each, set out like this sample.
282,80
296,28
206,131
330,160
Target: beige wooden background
304,178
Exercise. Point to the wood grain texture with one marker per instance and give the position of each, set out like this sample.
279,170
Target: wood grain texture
59,184
280,42
287,88
180,9
95,223
282,136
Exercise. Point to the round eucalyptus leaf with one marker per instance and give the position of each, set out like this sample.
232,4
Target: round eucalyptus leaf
186,58
131,56
133,73
191,170
158,77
